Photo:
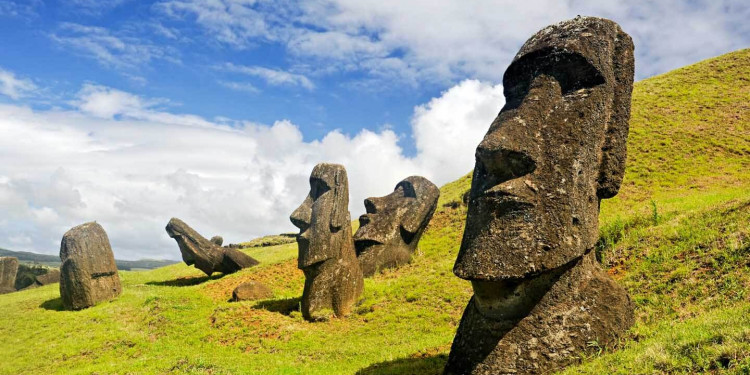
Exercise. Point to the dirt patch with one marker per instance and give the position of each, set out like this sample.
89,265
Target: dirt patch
281,278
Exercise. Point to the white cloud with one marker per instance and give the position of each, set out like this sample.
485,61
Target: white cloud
449,40
240,86
94,7
124,162
27,9
116,51
447,129
235,22
15,87
271,76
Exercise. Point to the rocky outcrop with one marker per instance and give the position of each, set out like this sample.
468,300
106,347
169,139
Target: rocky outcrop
206,255
555,150
8,271
389,232
333,278
88,274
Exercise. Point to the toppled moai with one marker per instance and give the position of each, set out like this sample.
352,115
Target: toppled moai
389,232
35,276
333,278
206,255
556,149
8,270
88,274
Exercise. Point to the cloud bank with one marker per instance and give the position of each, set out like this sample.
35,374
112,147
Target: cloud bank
129,164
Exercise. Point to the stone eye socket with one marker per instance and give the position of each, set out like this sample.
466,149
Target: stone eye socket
407,189
571,70
317,188
504,164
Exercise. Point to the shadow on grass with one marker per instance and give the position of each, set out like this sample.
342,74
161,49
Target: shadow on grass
186,281
54,304
431,365
283,306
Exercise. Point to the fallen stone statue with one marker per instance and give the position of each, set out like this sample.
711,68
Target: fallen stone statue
389,232
333,278
206,255
88,274
556,149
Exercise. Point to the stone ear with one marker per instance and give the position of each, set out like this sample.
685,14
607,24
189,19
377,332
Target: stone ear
614,149
416,218
340,210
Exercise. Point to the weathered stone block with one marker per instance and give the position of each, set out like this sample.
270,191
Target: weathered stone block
88,274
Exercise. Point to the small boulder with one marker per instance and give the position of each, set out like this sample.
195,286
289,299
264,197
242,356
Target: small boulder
88,274
251,290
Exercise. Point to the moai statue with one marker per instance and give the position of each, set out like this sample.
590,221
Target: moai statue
8,271
390,230
206,255
88,274
333,279
555,150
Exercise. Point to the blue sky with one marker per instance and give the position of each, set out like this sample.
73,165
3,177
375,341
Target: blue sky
215,111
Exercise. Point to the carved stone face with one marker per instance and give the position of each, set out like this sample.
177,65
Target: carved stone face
206,255
556,148
391,228
322,215
191,244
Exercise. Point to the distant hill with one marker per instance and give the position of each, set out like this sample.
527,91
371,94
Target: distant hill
54,261
270,240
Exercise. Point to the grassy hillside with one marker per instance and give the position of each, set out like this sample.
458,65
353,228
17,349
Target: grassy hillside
676,237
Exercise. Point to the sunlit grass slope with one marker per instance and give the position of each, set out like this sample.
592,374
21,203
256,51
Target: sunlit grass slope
676,237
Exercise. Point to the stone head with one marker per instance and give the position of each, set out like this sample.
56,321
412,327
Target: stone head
556,148
195,249
323,217
397,219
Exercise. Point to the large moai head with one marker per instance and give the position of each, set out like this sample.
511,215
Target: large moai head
323,217
207,256
389,232
88,274
555,150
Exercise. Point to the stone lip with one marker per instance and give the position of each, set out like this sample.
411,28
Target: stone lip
88,274
206,255
592,305
390,230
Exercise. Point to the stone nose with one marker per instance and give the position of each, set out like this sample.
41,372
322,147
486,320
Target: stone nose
373,205
301,217
504,163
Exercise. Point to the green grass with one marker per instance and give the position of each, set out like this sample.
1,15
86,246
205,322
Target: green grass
676,237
